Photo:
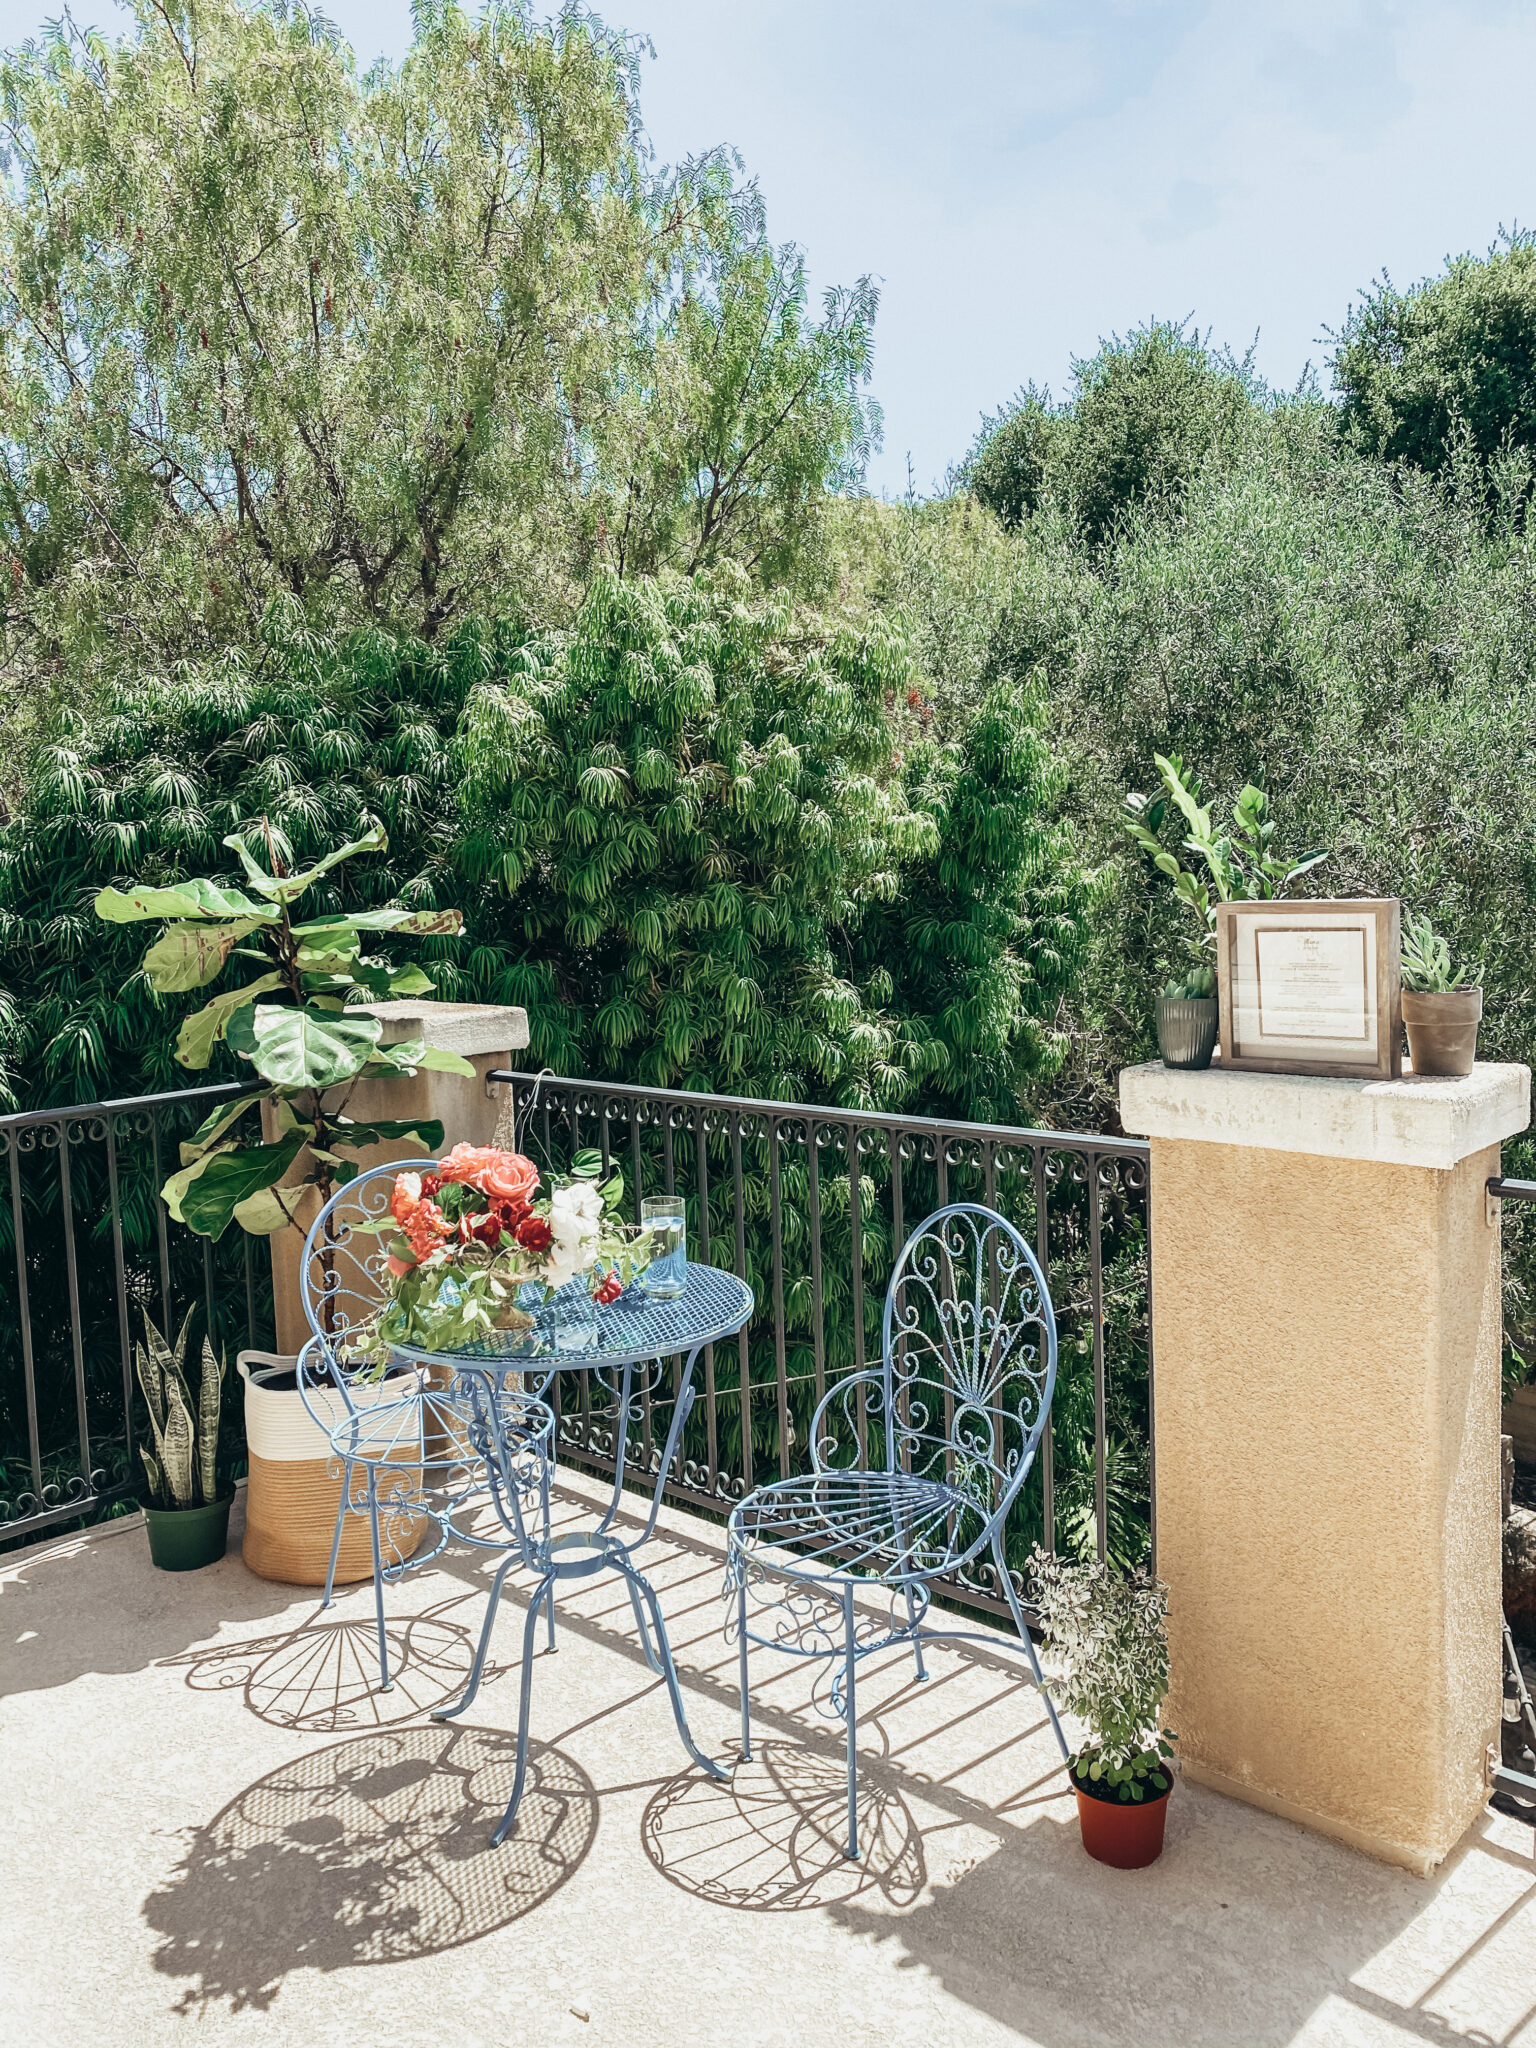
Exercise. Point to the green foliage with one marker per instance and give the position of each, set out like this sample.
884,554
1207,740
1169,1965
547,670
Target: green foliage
182,1473
1427,966
1447,366
1010,465
303,1045
728,859
1241,865
1197,986
1108,1626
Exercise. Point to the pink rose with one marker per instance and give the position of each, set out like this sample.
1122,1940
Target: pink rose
501,1176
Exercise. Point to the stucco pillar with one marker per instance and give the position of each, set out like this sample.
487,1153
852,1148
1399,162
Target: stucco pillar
1326,1322
486,1035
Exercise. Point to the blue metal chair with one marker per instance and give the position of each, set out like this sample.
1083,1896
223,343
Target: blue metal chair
915,1466
412,1443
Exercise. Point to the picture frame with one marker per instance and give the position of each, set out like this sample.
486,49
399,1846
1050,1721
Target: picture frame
1311,988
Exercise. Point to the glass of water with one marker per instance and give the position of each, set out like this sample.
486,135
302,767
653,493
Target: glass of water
665,1217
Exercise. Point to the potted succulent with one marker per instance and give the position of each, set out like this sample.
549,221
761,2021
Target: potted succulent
1240,865
187,1516
1440,1013
1188,1017
1108,1628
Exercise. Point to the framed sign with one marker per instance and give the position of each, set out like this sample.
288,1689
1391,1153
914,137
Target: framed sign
1311,988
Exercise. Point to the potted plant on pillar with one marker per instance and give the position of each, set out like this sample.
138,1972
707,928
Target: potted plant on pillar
300,1027
1440,1013
1108,1628
1241,865
187,1516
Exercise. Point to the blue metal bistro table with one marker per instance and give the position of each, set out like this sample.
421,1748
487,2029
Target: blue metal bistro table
624,1348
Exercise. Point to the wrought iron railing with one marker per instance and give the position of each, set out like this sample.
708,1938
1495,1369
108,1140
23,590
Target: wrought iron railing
91,1251
810,1205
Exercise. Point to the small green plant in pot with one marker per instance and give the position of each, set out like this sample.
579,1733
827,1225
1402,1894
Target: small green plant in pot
187,1516
1240,865
1109,1629
1440,1012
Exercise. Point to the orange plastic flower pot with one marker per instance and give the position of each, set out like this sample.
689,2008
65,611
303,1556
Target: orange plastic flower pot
1128,1836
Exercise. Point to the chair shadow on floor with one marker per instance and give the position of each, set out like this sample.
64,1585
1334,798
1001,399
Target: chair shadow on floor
323,1678
772,1840
375,1850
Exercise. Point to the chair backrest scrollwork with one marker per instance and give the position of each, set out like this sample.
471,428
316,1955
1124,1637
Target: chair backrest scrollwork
969,1356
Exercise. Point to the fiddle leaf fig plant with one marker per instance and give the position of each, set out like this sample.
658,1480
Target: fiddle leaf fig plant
298,1024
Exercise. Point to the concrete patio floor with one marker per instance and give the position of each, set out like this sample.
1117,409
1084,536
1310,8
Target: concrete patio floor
217,1832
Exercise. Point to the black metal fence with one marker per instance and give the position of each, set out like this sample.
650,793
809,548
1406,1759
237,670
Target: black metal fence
91,1251
809,1204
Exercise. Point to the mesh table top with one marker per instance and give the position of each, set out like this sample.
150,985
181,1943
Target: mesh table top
713,1305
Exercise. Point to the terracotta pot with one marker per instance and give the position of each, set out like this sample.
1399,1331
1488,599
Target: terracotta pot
1186,1030
1126,1836
1442,1030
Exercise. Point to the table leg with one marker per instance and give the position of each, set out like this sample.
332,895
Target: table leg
639,1583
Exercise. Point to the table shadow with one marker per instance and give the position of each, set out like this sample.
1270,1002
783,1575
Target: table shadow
375,1850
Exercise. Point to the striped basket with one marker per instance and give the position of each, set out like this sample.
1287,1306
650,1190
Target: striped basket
295,1485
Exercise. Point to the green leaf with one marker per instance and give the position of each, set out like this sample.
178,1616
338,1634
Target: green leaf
387,1130
587,1164
190,955
410,981
266,1211
437,1061
184,899
419,923
306,1049
285,888
199,1035
214,1125
229,1178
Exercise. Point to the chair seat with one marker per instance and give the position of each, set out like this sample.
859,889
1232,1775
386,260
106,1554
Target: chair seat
857,1525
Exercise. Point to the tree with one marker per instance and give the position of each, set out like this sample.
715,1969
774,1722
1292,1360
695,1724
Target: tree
1008,468
1452,358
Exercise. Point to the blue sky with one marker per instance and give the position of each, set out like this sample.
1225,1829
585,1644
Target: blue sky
1024,176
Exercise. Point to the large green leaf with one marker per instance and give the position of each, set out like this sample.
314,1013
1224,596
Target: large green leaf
420,923
266,1211
437,1061
385,1130
183,899
190,955
311,1049
199,1035
230,1178
285,888
407,1054
214,1127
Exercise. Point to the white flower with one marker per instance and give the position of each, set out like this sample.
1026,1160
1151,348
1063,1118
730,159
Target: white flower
574,1214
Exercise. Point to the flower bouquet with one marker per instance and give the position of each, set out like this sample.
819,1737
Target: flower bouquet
474,1250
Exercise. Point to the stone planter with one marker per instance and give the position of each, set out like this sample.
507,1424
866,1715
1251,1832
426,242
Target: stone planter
1442,1030
1186,1030
295,1484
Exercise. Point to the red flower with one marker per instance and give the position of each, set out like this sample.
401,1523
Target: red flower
487,1228
511,1214
430,1184
534,1234
610,1290
426,1226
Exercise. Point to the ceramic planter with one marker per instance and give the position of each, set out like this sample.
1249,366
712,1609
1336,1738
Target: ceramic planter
295,1484
185,1539
1442,1030
1186,1030
1126,1835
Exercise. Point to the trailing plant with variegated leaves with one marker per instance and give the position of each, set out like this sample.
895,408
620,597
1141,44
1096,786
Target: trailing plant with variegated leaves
1108,1627
298,1024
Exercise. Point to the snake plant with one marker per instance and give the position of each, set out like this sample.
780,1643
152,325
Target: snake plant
181,1472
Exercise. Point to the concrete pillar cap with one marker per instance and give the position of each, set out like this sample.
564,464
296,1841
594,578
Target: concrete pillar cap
1416,1121
464,1028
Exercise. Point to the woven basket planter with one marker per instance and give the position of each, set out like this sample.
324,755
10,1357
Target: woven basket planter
296,1480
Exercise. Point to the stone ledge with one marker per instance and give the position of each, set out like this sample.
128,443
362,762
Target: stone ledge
1417,1121
464,1028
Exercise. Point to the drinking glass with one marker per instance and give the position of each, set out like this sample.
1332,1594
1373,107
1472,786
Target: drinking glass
665,1217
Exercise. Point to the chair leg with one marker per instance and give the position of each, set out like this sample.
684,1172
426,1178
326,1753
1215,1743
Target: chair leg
543,1590
652,1660
746,1695
1029,1649
386,1683
850,1663
341,1515
917,1641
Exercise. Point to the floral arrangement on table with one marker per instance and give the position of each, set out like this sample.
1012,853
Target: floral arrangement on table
473,1248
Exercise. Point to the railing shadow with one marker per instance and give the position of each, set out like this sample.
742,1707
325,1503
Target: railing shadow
323,1678
375,1850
